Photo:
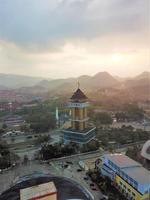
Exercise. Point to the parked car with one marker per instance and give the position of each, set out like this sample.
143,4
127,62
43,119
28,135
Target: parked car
79,170
93,188
92,184
69,162
86,178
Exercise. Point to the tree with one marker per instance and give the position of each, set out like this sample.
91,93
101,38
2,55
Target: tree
134,112
25,128
25,159
1,131
4,126
132,152
42,139
41,122
102,118
92,146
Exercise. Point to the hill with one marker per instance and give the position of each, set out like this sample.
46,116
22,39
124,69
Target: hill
88,83
16,81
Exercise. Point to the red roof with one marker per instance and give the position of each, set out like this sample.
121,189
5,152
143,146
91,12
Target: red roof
79,95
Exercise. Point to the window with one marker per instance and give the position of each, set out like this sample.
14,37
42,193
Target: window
133,194
109,162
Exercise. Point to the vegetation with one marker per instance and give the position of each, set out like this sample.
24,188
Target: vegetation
56,151
102,118
41,122
42,139
132,152
131,112
105,186
6,157
123,135
92,146
60,150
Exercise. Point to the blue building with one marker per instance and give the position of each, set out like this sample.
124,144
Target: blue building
130,177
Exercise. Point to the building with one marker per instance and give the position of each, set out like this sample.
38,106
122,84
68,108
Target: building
88,164
45,191
13,120
129,176
80,131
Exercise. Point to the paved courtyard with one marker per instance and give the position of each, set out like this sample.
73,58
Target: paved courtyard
10,177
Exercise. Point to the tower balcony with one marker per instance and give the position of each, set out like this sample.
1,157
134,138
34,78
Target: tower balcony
78,105
79,119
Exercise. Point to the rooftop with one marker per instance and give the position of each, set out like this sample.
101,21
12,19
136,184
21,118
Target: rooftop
139,174
78,95
122,161
130,167
37,191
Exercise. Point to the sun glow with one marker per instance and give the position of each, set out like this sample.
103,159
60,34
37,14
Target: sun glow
117,57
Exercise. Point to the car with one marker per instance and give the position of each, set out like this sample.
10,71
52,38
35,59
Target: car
79,170
69,162
86,178
65,166
93,188
92,184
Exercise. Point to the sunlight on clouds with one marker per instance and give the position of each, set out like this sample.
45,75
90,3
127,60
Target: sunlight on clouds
72,60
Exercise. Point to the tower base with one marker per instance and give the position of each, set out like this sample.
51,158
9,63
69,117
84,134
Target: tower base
81,137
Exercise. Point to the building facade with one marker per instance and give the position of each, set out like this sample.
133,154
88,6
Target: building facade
79,131
129,177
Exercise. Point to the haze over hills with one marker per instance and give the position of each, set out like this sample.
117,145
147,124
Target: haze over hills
100,80
10,81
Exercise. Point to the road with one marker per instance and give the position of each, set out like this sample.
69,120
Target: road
23,145
71,172
8,178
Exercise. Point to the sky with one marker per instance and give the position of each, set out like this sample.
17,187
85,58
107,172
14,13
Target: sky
69,38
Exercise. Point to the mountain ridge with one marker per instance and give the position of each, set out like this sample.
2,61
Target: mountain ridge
98,81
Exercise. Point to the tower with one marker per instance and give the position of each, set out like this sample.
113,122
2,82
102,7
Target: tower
79,131
57,116
78,106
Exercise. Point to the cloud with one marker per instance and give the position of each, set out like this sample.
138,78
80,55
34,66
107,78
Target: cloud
49,23
60,38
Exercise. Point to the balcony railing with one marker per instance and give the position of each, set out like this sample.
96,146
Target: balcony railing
79,120
78,105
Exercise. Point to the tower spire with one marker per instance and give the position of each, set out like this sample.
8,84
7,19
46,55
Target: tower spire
78,84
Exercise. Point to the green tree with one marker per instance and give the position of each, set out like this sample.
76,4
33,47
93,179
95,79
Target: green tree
41,122
102,118
4,126
42,139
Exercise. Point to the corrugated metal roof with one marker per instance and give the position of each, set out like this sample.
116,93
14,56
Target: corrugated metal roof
122,161
130,167
139,174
